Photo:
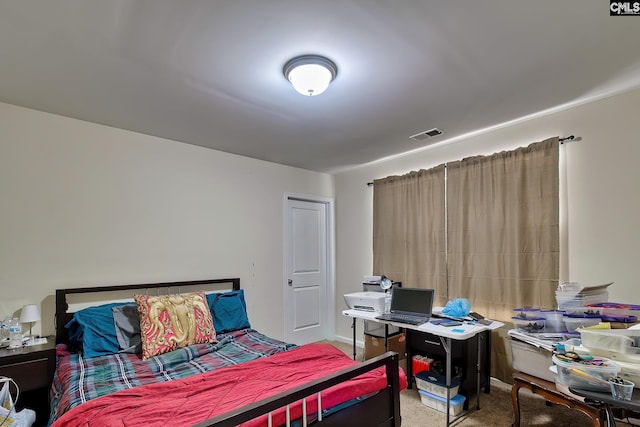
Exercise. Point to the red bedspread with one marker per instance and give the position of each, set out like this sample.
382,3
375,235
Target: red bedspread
189,401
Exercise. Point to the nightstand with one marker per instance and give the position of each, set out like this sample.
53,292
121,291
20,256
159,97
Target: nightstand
32,369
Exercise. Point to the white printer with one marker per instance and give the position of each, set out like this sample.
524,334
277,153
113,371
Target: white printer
366,301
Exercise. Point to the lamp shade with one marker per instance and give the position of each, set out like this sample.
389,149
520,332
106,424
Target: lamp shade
30,313
310,74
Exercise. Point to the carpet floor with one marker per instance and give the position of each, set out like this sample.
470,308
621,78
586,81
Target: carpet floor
495,408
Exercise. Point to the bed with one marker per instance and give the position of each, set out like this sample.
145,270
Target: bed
242,377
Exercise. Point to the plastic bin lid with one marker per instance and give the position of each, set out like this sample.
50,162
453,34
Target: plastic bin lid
582,316
437,379
455,400
621,319
617,305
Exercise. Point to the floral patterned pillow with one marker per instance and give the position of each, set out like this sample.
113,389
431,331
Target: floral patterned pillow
168,322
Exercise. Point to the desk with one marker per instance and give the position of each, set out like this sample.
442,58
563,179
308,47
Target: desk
468,358
548,390
606,400
445,334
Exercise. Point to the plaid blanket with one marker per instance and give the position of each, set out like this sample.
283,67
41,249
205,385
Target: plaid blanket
79,379
201,397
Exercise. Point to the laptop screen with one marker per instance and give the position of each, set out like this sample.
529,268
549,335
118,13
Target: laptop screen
412,301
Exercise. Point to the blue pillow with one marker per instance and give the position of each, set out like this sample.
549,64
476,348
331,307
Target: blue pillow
94,329
229,311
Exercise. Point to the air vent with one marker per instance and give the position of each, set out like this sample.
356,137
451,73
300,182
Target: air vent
426,134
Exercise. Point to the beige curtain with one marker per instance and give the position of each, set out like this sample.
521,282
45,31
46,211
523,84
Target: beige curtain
408,230
503,236
503,229
501,248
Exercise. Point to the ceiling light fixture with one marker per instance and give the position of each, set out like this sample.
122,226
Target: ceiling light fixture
310,74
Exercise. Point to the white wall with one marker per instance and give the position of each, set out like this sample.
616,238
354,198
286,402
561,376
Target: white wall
84,205
601,236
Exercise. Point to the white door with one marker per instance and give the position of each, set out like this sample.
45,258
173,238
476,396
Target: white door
306,287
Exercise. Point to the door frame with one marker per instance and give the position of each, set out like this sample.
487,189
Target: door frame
329,314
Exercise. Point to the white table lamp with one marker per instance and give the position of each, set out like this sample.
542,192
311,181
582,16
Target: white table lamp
30,314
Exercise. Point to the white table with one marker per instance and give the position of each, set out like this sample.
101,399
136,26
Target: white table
463,332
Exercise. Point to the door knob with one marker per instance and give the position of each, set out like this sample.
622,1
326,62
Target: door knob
290,282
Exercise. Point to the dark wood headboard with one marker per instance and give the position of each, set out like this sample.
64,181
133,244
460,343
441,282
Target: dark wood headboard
63,316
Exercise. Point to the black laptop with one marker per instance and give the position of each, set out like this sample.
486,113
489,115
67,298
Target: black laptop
410,305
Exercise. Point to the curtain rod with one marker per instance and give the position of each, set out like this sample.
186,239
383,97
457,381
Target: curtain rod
562,141
567,139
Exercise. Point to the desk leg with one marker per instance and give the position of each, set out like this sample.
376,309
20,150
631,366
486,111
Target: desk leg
353,326
409,356
386,337
478,362
447,348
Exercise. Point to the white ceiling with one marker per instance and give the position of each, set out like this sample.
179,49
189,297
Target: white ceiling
209,72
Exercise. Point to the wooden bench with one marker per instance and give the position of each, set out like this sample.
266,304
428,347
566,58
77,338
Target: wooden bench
548,390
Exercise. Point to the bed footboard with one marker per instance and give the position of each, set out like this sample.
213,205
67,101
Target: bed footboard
381,409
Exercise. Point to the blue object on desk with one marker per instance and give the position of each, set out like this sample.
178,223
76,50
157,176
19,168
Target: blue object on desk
459,307
458,330
446,322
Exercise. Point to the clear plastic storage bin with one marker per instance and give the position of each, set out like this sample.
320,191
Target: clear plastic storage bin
590,377
574,323
554,320
532,324
584,311
440,403
526,312
531,360
434,383
617,340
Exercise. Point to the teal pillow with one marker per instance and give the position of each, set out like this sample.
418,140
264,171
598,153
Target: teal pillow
229,311
92,330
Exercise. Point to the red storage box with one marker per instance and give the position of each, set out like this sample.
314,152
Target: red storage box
420,364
